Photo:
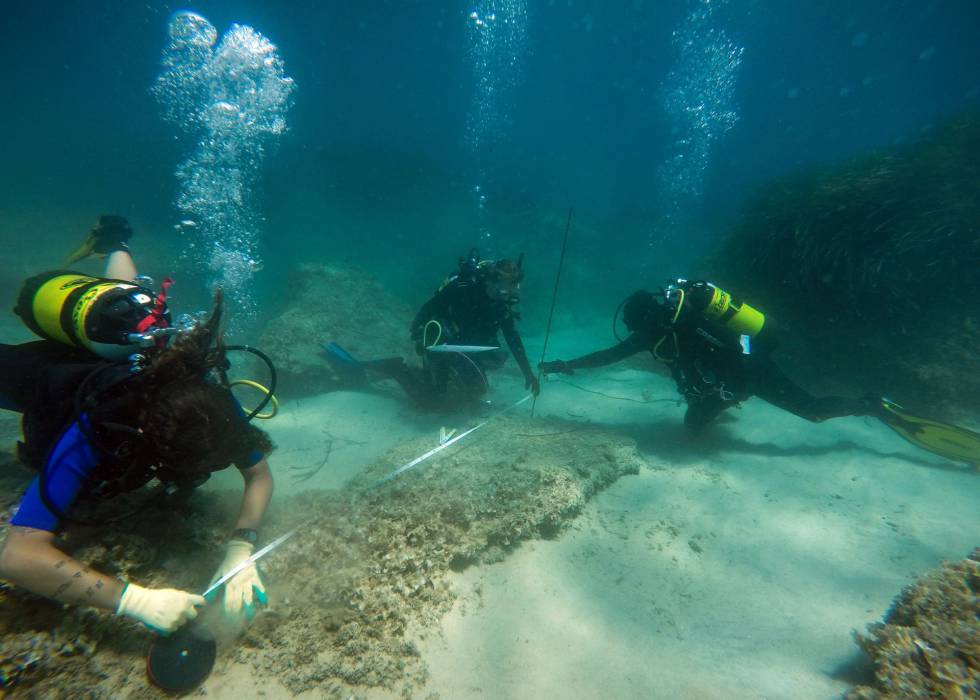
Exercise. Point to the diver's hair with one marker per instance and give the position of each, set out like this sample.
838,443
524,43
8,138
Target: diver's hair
187,413
508,268
192,354
641,309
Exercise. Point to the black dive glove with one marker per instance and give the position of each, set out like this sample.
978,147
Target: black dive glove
110,234
531,382
556,367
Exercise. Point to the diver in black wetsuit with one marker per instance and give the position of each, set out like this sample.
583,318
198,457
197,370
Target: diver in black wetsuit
470,308
719,353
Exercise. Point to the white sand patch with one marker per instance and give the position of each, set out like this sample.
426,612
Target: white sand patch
738,567
333,436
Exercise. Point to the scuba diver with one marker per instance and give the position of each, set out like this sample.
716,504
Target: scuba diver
718,350
115,399
455,332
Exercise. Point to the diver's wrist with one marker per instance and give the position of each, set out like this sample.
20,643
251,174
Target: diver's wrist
246,534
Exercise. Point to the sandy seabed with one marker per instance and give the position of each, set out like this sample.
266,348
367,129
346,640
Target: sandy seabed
737,564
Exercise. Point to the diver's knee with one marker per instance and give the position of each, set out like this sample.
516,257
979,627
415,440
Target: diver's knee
695,421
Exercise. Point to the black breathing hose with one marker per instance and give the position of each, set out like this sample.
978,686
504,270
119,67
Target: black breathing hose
273,376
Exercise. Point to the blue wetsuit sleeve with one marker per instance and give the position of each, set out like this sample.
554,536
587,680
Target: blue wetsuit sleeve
253,457
69,465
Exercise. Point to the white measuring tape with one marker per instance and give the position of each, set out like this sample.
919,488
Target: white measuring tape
452,441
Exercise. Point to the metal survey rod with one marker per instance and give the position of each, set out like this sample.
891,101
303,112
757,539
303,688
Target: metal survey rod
554,297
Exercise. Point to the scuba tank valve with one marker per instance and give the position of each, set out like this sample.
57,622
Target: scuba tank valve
717,305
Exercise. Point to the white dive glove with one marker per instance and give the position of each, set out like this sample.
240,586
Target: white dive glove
245,586
161,609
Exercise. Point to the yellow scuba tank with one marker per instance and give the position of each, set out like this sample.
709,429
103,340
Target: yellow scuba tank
721,307
111,318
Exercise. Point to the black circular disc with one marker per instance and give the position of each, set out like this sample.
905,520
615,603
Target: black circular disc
182,661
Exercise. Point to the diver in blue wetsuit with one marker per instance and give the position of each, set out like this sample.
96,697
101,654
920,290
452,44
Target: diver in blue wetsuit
112,400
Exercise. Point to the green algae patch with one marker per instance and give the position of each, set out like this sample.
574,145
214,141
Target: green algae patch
879,255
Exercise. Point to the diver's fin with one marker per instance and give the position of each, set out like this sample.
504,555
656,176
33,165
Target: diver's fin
949,441
337,353
82,251
344,363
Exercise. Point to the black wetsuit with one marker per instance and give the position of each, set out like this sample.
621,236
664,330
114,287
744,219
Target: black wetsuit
460,313
716,368
39,380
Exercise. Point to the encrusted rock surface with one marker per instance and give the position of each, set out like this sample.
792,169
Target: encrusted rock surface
376,558
333,303
369,562
50,651
929,643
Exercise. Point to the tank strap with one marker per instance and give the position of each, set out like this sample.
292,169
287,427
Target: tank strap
67,319
156,316
734,306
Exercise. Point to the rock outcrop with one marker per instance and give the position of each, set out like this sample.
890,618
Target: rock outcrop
340,304
929,643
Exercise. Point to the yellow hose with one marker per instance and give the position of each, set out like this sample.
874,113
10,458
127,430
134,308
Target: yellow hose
425,334
255,385
680,305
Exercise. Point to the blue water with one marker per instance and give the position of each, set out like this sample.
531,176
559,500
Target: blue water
395,135
386,92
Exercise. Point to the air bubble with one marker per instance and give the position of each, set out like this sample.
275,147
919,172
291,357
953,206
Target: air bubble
498,44
232,97
699,100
